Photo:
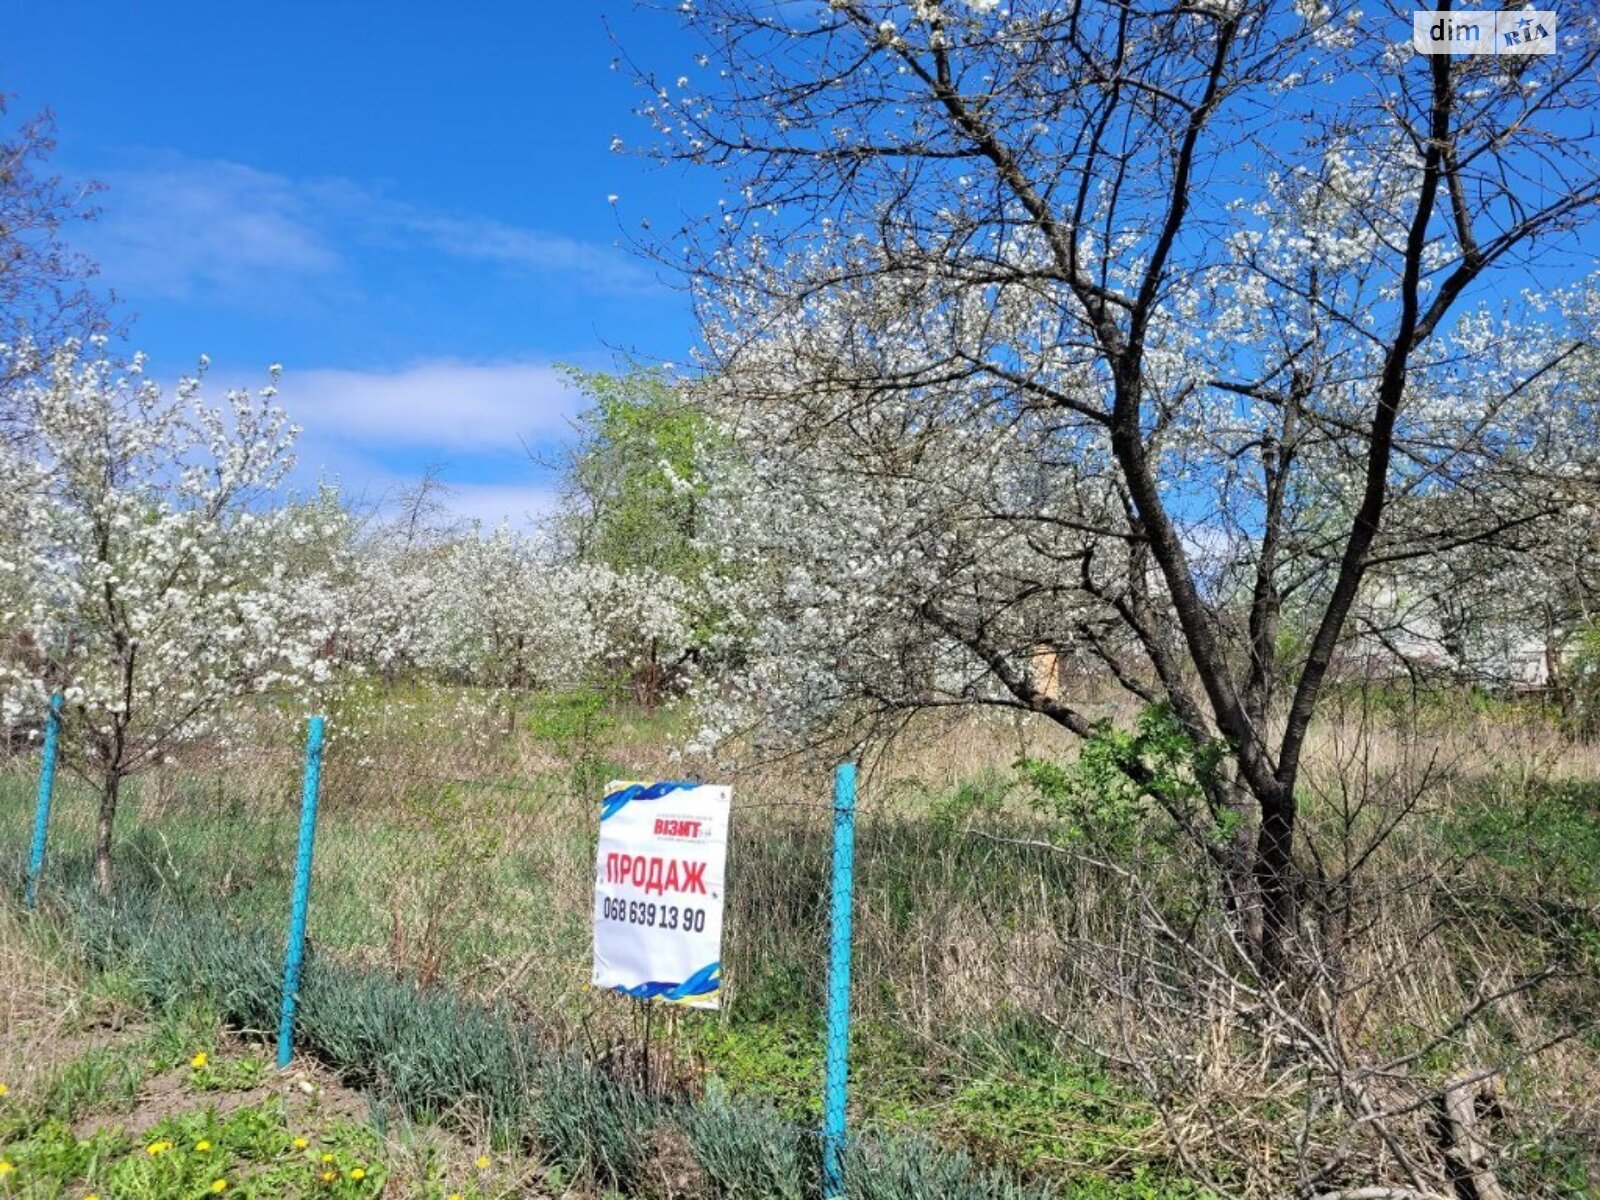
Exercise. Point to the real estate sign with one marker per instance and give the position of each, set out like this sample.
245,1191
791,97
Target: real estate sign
658,891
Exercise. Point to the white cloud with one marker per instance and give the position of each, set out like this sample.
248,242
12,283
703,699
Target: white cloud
442,404
182,229
591,267
373,431
522,507
195,229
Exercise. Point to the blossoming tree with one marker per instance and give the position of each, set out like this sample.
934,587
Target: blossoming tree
45,292
505,613
1137,331
154,580
631,509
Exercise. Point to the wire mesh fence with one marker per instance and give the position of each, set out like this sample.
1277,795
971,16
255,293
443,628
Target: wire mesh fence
431,861
456,861
1081,1005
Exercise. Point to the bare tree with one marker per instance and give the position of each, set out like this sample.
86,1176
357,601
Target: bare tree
45,286
1207,264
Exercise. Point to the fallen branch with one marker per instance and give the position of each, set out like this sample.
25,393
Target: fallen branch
1467,1155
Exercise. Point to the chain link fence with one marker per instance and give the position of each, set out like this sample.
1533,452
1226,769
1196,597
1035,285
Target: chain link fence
1062,993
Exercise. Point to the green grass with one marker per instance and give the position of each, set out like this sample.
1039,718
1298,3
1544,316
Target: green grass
66,1137
449,937
1540,855
1547,837
429,1055
204,887
109,1077
250,1151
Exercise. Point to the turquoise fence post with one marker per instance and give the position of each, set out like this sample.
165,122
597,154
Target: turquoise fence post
835,1081
302,890
41,811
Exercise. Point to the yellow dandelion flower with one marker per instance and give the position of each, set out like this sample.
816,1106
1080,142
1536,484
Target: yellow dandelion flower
199,1061
219,1185
300,1143
155,1148
327,1158
202,1146
357,1173
453,1196
329,1176
6,1167
483,1162
3,1089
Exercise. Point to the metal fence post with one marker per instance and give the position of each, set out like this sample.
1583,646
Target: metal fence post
838,1053
41,812
302,890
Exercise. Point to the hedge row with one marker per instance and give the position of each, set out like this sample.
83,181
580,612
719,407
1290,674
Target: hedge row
436,1055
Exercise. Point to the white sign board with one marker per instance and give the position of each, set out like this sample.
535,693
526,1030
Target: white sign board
658,891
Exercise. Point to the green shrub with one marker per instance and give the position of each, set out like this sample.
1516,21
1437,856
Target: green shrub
435,1055
591,1125
750,1150
916,1169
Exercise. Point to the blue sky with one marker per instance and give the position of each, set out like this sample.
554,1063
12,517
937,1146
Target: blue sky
405,204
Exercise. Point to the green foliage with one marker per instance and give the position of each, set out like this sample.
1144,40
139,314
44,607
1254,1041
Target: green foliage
1102,799
228,1075
249,1151
1141,1183
579,726
634,473
434,1056
1406,1039
780,988
590,1124
1555,1166
1544,847
779,1056
750,1150
1063,1116
570,722
1581,686
1549,835
48,1157
425,1051
915,1169
427,1054
451,870
101,1078
984,795
1554,836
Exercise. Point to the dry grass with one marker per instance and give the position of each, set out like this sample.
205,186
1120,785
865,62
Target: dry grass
455,852
40,1002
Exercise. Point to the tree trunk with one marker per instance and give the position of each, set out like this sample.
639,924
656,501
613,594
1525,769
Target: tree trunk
1275,883
1241,890
652,684
1555,682
102,843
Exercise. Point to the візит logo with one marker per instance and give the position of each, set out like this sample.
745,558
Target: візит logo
1532,31
686,829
